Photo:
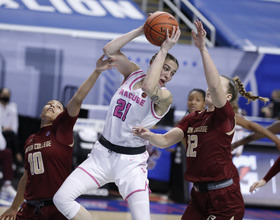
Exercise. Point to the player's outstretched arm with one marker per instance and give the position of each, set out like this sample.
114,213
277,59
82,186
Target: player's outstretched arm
113,50
74,105
168,139
210,71
11,212
259,132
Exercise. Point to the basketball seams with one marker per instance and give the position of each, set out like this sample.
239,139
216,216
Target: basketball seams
161,14
152,28
151,24
151,37
149,21
148,34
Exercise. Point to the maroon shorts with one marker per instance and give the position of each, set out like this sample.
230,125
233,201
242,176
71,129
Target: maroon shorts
48,212
220,204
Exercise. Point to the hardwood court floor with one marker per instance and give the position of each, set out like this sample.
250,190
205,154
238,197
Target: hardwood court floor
109,215
116,209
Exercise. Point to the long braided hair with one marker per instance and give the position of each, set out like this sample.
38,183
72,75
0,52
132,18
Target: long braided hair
235,86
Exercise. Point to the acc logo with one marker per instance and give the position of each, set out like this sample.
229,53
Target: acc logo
211,217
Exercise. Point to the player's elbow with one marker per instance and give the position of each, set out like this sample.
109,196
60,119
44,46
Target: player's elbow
106,50
109,50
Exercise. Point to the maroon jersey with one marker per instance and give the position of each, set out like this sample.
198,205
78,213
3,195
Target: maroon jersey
208,140
47,161
273,170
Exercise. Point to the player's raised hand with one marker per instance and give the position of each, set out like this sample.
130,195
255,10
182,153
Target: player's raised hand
199,37
102,65
173,39
257,184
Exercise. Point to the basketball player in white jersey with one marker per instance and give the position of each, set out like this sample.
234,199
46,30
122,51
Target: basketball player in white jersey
119,156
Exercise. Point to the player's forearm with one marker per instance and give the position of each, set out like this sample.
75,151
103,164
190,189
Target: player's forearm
261,132
168,139
153,74
74,105
245,140
86,86
273,170
158,140
213,79
275,127
210,70
115,45
19,198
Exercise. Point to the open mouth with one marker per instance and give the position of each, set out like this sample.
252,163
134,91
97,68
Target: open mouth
50,109
162,82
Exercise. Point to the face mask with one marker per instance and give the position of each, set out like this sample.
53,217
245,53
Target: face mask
5,99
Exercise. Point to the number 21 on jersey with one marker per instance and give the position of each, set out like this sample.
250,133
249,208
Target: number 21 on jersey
121,109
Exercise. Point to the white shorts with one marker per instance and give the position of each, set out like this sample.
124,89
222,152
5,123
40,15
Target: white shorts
129,172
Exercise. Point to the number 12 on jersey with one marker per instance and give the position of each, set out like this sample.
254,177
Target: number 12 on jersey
191,145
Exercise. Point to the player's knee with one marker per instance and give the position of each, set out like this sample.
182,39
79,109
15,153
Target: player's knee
139,205
67,206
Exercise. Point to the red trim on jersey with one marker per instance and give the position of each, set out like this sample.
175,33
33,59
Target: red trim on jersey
95,180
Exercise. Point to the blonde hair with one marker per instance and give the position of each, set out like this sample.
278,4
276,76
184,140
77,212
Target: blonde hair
248,95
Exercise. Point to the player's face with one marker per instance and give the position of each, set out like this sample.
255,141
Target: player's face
169,69
51,110
196,102
224,82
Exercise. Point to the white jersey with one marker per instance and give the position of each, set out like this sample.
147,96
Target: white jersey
238,135
129,108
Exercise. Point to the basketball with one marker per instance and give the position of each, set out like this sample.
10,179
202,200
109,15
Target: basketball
156,26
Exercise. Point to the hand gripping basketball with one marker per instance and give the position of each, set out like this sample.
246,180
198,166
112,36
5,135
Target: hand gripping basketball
156,25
